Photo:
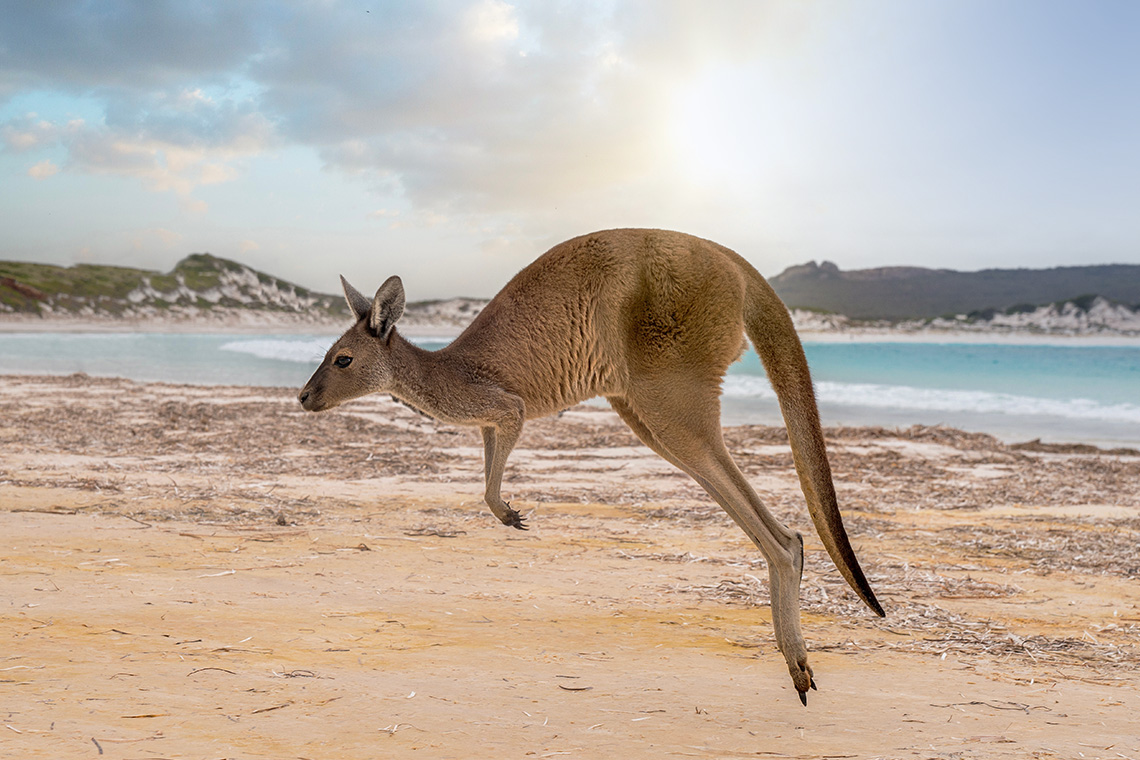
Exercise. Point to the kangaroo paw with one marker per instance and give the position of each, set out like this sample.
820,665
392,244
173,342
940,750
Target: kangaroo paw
512,518
803,679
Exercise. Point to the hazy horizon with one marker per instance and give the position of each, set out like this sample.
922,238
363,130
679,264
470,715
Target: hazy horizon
335,289
451,142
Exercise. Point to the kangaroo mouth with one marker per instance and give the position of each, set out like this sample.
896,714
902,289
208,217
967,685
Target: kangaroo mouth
310,402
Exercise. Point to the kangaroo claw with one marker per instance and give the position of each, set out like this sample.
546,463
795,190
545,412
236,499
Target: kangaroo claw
811,683
803,679
513,519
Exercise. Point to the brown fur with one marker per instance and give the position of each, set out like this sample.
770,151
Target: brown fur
647,318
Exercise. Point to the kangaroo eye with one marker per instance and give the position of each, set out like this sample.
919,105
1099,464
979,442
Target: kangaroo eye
343,361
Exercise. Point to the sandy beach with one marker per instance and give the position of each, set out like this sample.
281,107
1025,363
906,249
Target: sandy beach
208,572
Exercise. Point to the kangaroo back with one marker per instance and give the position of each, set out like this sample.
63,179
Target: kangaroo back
769,327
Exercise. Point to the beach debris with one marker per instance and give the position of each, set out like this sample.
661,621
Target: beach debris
199,670
438,532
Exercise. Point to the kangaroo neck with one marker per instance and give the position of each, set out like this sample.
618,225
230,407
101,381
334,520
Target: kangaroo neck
421,378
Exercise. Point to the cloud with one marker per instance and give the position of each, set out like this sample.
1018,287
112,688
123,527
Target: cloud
160,165
488,107
171,142
167,237
177,114
42,170
442,107
157,237
462,106
77,46
493,21
28,133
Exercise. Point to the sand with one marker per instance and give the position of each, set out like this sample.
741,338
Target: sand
193,572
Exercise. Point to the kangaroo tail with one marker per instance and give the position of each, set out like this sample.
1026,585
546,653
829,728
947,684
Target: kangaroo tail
769,327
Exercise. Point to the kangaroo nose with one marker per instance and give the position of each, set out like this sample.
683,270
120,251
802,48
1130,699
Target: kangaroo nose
304,397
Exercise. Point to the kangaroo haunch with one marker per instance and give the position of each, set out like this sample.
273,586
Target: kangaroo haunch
650,320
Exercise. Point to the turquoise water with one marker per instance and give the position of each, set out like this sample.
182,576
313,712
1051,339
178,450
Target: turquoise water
1109,374
1053,392
162,357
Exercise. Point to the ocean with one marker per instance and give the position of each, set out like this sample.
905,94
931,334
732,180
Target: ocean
1070,392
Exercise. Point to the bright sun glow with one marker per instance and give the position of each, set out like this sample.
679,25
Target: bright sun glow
726,129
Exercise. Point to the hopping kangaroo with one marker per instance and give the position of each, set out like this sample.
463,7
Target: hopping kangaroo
647,318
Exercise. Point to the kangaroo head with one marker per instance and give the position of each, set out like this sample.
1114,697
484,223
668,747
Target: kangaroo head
359,362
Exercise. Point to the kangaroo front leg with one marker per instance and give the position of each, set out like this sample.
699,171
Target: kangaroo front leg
497,445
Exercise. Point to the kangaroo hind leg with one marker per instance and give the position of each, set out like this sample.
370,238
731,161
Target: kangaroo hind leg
686,432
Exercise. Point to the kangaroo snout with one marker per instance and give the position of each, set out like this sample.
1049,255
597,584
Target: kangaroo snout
315,397
309,401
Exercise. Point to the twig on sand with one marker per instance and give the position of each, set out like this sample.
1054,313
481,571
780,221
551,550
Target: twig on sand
199,670
435,532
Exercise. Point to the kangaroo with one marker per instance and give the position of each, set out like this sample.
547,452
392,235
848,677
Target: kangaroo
649,319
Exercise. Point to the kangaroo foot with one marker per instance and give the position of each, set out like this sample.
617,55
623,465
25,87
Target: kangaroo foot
510,517
802,678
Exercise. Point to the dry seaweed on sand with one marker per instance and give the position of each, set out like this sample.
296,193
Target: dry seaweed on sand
915,623
1101,547
163,452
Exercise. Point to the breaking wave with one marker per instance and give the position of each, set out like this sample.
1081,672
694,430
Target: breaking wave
304,351
934,399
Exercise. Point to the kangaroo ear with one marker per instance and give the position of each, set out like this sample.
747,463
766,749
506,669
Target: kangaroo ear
387,307
357,302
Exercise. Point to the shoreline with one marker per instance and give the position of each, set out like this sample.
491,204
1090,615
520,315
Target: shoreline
276,329
961,337
414,329
754,414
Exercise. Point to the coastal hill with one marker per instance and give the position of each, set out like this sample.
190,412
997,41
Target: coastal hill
207,291
199,283
909,293
201,289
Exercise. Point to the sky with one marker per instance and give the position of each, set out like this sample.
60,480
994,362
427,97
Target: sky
451,142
